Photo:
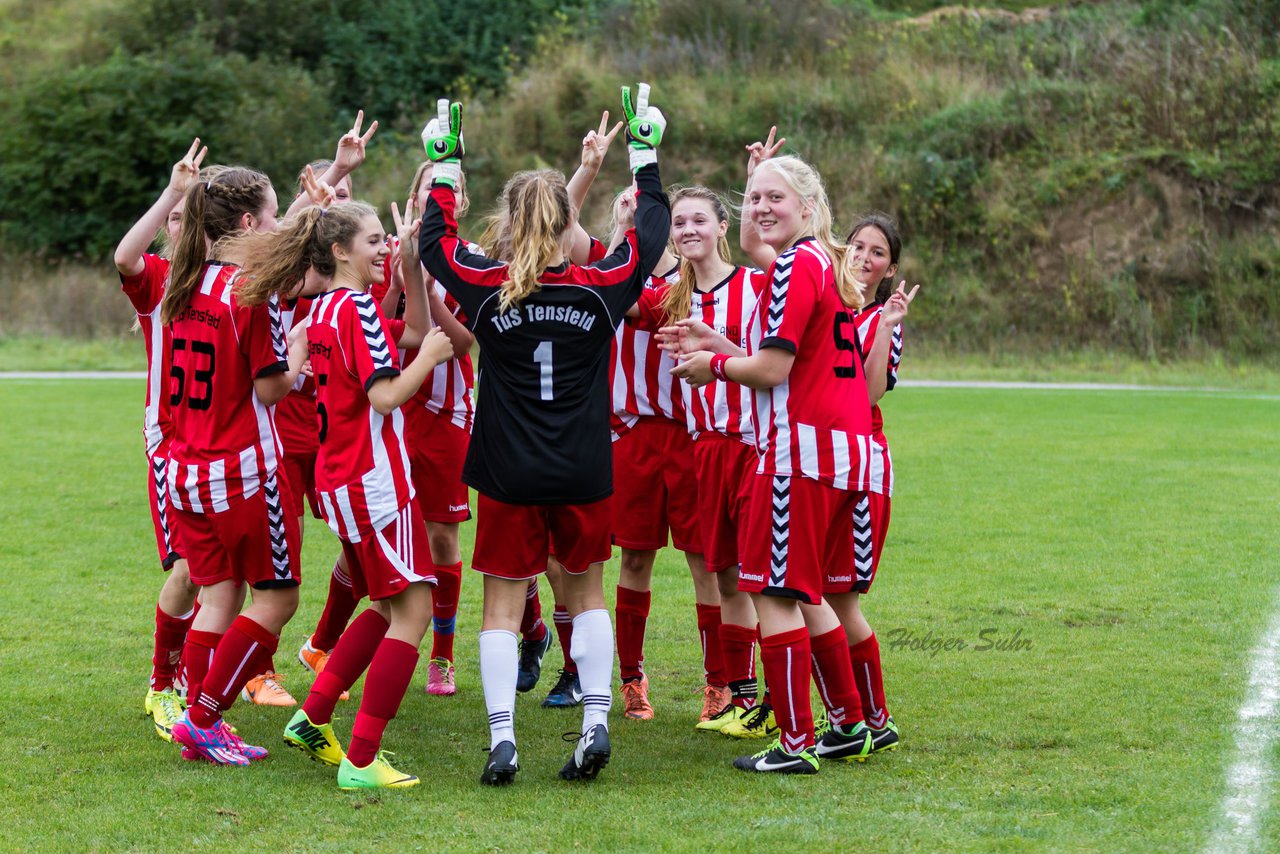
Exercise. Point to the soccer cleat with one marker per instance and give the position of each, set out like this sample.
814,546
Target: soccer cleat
853,746
773,759
317,741
885,738
589,755
440,678
315,660
165,708
211,744
714,699
635,696
566,693
756,722
501,766
531,654
721,719
266,690
378,774
252,752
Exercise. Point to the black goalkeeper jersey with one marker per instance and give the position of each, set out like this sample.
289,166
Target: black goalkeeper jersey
541,433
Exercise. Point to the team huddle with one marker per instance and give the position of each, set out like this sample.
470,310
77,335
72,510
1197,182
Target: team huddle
632,393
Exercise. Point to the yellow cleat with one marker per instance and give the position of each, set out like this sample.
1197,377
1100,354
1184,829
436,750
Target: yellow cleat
718,721
378,774
316,740
164,708
757,722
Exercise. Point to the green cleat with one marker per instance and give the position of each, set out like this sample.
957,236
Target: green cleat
164,709
721,719
315,740
756,722
886,738
773,759
378,774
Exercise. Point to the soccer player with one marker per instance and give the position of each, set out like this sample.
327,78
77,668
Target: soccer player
813,428
143,277
540,451
362,468
228,367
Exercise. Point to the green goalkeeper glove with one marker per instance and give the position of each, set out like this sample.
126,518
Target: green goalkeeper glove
645,126
442,140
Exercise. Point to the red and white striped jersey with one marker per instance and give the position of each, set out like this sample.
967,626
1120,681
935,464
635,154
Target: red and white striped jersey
868,321
642,380
224,442
727,308
447,389
817,422
362,468
296,419
145,292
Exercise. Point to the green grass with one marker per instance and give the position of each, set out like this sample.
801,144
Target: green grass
1128,537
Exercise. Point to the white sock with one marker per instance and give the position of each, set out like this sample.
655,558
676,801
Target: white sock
592,651
499,662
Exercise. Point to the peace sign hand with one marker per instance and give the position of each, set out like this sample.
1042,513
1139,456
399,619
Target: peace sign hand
187,170
759,152
407,228
895,308
596,143
316,190
351,148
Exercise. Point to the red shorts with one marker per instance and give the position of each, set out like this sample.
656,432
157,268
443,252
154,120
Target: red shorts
654,488
167,540
798,533
386,562
254,542
725,469
513,540
437,449
300,469
870,525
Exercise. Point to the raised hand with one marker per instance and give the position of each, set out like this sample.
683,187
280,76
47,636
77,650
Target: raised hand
442,141
595,145
351,148
758,152
895,307
316,190
406,231
187,170
645,126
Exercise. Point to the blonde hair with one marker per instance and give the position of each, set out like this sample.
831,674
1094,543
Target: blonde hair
273,262
807,184
212,210
679,296
539,212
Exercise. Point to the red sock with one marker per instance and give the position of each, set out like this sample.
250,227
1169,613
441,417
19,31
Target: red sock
170,637
244,651
531,626
834,677
338,608
564,632
349,659
786,667
389,676
444,609
632,614
738,646
865,658
712,659
197,655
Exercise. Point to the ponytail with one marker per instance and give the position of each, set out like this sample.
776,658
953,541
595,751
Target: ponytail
538,207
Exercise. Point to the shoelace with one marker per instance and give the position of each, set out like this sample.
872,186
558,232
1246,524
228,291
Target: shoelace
571,737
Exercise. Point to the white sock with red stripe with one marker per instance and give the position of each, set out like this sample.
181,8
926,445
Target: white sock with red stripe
593,653
499,661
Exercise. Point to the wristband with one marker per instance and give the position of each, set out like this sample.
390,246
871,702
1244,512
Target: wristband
447,172
717,366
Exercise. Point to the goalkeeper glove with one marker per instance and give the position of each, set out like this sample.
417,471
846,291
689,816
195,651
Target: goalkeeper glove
442,140
645,126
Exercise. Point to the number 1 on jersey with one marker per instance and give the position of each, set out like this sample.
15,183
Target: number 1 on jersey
542,355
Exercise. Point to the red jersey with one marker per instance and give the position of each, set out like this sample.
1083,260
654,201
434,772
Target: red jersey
145,291
224,442
868,322
727,308
447,389
362,468
296,419
816,422
641,373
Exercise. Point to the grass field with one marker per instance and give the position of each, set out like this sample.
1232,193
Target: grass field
1125,542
